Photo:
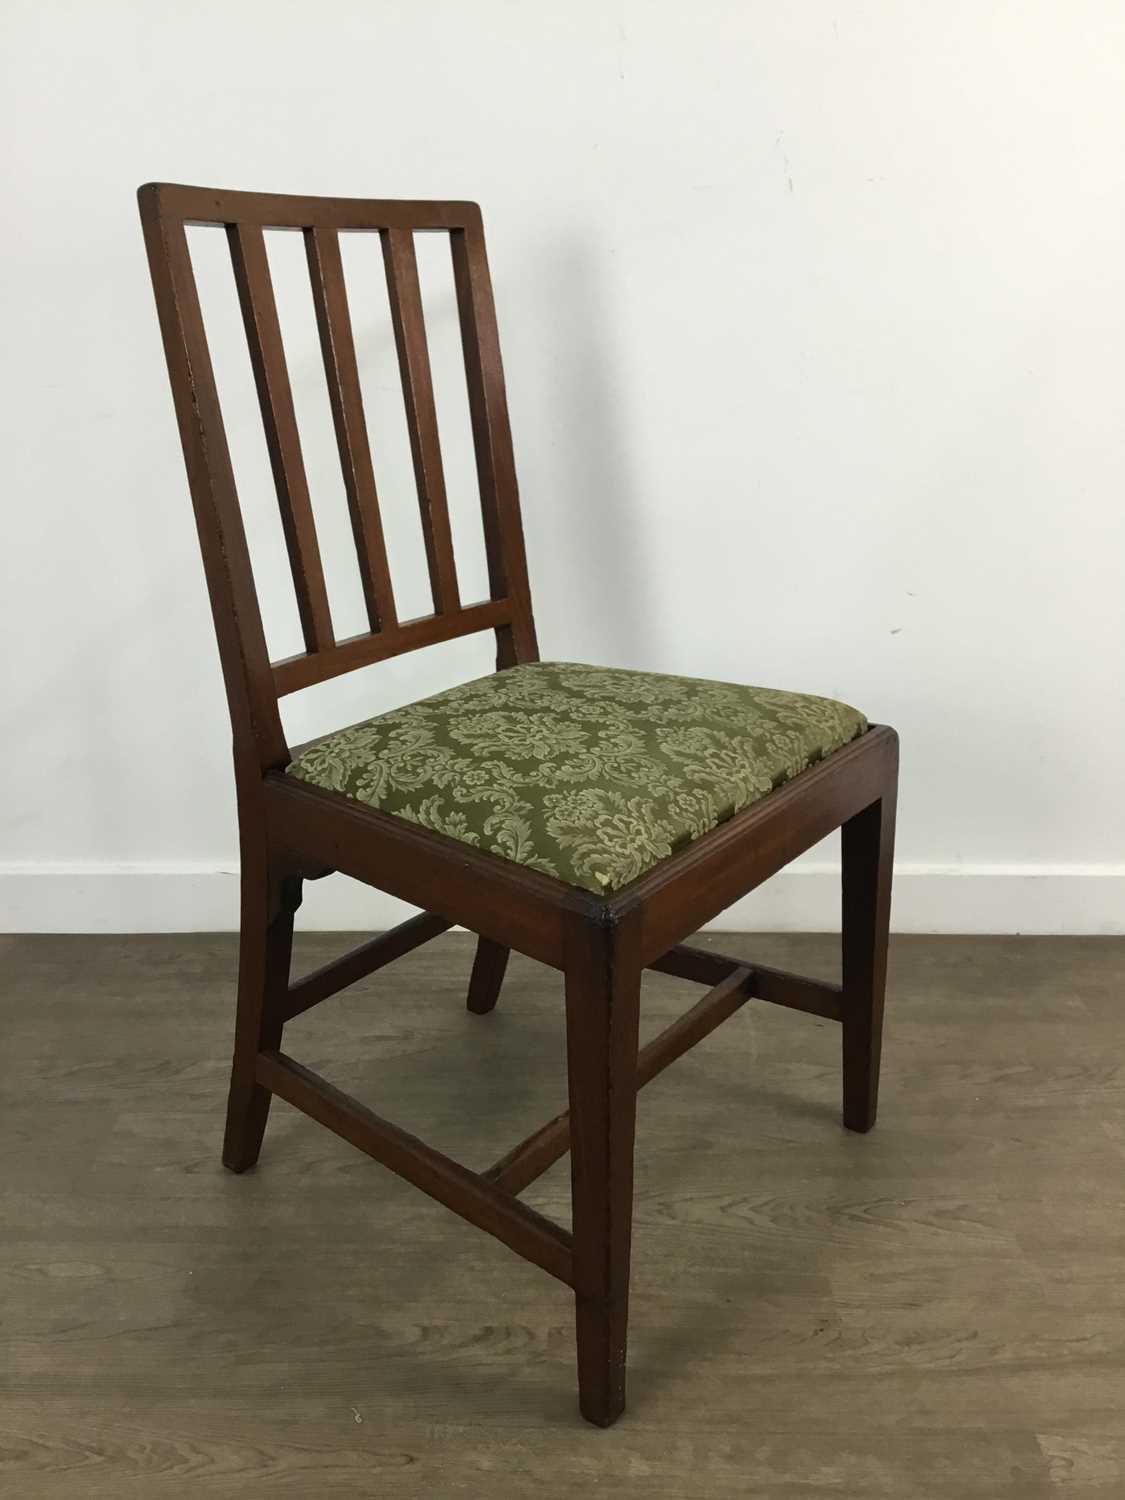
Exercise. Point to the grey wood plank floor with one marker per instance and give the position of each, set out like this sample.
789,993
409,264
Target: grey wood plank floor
937,1309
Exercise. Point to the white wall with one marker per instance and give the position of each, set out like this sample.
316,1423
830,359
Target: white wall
814,320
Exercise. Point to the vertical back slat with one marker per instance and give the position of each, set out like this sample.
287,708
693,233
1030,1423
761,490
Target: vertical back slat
251,695
333,320
267,356
492,440
405,298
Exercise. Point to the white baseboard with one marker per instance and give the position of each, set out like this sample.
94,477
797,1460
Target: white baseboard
41,897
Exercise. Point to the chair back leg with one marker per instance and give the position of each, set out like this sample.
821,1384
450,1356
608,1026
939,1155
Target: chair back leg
269,901
488,975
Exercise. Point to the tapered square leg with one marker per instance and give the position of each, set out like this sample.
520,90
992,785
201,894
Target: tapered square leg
868,856
488,975
269,901
603,977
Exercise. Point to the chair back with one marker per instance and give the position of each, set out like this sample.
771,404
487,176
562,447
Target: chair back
254,683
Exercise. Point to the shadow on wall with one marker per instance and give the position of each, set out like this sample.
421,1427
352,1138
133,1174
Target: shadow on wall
582,498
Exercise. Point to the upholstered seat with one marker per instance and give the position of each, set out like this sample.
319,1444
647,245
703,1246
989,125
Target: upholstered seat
587,773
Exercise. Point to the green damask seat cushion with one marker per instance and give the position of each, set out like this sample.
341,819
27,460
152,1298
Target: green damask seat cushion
590,774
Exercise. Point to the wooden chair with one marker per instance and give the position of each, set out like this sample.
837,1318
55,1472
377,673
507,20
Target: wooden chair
291,830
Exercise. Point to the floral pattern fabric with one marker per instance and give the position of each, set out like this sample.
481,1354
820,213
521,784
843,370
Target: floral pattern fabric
590,774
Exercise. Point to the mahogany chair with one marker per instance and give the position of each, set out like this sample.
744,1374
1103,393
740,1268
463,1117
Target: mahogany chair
600,932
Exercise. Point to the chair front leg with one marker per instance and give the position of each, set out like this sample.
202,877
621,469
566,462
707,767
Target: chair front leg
270,898
603,979
868,856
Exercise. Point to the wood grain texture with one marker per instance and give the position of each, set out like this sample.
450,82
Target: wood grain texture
294,211
932,1312
603,988
405,300
492,443
255,720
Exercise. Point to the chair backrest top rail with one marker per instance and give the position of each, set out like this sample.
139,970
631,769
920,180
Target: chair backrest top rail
200,205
